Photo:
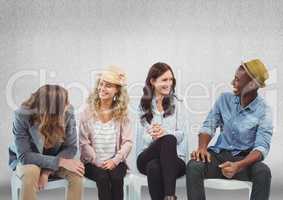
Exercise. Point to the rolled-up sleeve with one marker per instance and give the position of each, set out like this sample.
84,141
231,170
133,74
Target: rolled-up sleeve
181,128
264,133
86,149
126,142
213,119
143,139
69,147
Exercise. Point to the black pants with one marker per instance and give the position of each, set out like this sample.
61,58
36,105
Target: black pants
109,182
162,166
259,174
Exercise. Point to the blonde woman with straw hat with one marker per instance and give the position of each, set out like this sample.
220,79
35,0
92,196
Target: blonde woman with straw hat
106,135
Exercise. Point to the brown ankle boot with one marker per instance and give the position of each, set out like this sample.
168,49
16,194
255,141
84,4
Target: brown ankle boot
170,197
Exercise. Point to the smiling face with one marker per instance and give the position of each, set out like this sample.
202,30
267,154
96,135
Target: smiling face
163,84
242,83
106,90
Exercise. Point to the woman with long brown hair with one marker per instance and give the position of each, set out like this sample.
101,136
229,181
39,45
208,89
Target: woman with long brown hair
45,143
106,135
161,143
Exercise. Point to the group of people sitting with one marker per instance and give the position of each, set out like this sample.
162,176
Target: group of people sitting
45,137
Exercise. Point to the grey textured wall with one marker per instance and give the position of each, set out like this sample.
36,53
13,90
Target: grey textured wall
204,41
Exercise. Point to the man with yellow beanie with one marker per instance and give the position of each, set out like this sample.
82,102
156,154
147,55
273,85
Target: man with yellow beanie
245,123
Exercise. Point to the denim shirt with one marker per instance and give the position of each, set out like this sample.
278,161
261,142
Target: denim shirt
174,124
248,128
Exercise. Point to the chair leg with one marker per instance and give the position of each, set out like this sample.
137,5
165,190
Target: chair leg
135,191
126,192
250,192
66,191
15,194
14,189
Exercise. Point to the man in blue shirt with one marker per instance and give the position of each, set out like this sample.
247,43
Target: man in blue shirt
245,123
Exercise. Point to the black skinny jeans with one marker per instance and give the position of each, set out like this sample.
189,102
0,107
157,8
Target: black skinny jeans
162,166
109,182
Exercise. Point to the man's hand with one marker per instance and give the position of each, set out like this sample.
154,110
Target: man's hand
229,169
201,154
109,164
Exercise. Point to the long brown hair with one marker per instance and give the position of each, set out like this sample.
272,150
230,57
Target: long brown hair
156,71
48,105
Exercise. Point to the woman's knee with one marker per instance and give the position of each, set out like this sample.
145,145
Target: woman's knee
74,179
141,164
29,174
119,172
153,168
169,139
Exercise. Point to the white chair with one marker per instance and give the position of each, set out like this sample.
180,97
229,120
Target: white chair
16,186
140,180
225,184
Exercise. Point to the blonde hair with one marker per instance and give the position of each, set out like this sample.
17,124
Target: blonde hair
48,105
119,106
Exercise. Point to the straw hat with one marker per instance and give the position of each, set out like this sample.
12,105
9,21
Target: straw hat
257,71
115,75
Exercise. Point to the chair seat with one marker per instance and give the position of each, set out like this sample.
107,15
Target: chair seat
59,183
88,183
227,184
53,183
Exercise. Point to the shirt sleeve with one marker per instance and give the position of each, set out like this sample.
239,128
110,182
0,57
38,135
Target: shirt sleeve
86,149
69,147
25,152
181,123
264,133
213,119
126,142
143,139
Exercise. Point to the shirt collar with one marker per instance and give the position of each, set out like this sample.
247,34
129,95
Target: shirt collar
252,106
154,105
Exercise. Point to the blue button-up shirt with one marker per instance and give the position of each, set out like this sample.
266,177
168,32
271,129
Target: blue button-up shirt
240,128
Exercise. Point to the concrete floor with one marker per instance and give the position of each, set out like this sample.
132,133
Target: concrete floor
91,194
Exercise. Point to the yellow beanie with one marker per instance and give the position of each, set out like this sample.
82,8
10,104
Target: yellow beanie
257,71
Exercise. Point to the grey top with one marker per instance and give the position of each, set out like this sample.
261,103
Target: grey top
27,147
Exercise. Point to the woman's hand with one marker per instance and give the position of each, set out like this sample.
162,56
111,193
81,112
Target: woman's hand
72,165
43,180
109,164
156,131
